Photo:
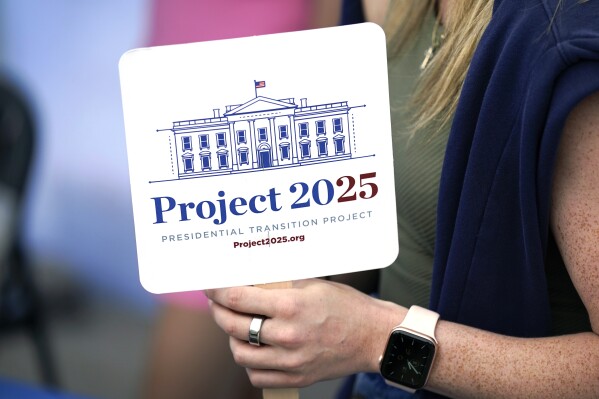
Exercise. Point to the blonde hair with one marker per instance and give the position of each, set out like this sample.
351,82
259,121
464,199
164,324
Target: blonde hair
435,98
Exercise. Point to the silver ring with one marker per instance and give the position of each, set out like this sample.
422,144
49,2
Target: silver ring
255,327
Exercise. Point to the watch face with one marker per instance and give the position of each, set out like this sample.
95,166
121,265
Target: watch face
407,359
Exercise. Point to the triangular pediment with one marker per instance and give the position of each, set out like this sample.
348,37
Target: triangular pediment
260,104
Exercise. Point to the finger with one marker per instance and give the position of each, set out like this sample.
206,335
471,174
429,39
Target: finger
254,300
265,357
232,323
237,325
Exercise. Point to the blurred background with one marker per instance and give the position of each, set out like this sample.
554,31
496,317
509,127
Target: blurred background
66,226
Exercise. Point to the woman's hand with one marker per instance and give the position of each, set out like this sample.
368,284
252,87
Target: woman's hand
314,331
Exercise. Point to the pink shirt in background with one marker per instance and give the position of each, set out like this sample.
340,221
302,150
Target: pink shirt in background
185,21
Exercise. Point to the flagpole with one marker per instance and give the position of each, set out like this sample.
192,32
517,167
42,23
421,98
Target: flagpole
255,90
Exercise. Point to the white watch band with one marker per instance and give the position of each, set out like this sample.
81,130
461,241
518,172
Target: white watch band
421,320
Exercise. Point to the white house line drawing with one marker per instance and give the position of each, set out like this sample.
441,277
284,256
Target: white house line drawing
261,134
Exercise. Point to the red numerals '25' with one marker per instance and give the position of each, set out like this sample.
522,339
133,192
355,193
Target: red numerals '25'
350,194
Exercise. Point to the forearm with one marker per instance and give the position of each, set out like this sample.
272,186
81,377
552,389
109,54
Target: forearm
322,330
472,363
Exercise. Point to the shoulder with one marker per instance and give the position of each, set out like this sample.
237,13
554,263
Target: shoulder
541,51
551,21
375,10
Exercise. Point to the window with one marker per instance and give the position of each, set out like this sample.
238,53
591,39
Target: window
221,140
205,160
322,144
223,159
241,138
320,129
337,126
186,143
339,145
283,133
262,134
243,156
188,164
305,149
204,142
303,130
285,153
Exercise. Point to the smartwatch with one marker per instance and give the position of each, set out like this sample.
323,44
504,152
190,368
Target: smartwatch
410,351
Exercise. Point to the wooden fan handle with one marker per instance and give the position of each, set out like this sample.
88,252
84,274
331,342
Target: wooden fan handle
280,393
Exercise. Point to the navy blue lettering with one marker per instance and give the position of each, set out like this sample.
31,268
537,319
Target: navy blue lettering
159,209
272,195
216,210
233,206
253,203
183,208
200,210
223,209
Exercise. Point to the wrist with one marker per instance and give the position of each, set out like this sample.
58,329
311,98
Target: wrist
410,351
386,316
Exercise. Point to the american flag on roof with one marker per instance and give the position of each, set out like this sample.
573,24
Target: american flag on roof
260,84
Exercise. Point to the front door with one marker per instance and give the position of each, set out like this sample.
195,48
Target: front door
264,159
